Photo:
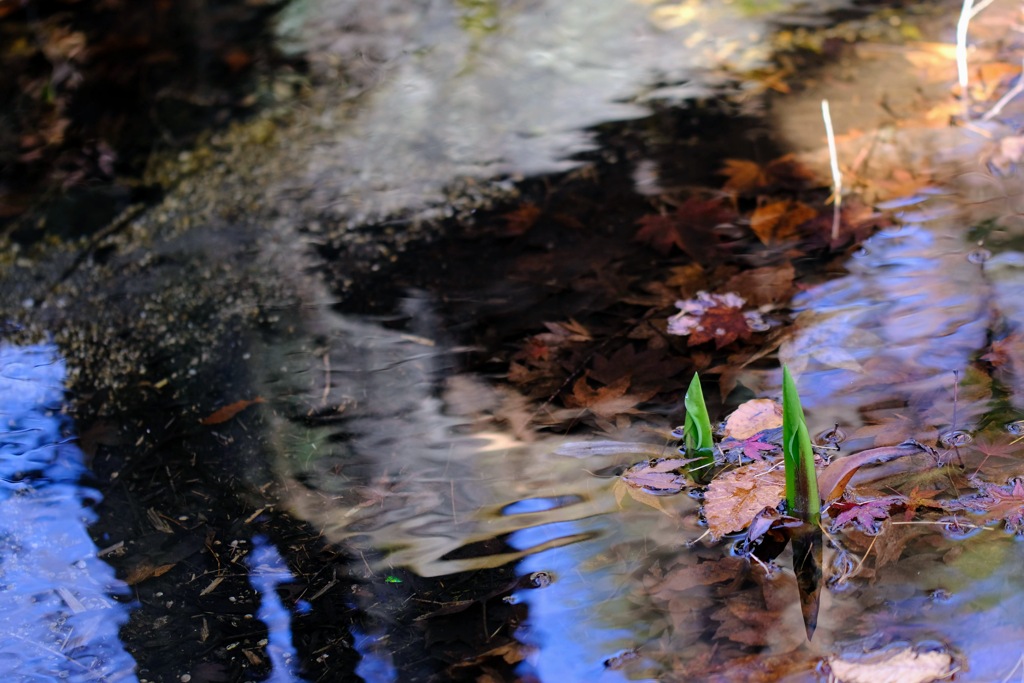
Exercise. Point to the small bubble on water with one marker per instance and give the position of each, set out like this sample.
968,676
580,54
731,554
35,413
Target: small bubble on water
539,580
955,438
979,256
1016,427
830,437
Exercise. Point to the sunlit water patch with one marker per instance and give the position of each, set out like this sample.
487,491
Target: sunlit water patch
59,616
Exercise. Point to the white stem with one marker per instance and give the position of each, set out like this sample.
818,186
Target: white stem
837,177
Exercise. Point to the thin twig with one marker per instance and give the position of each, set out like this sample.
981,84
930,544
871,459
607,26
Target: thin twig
837,177
1005,99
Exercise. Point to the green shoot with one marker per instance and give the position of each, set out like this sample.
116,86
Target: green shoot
801,480
697,432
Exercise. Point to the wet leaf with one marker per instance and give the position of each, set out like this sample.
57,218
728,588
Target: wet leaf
735,498
650,368
687,228
684,577
999,503
867,516
229,411
714,317
621,489
767,285
144,570
834,478
752,417
606,402
743,175
776,222
658,477
902,665
520,221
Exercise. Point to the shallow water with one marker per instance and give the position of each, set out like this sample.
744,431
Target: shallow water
466,544
60,604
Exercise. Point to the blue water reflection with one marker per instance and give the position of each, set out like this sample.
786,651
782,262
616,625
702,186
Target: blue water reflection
267,571
568,642
58,615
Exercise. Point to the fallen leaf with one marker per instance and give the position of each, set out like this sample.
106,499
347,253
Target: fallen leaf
520,221
752,417
743,175
995,503
776,222
833,479
229,411
735,498
606,402
867,516
714,317
650,368
657,477
767,285
687,228
145,570
621,489
902,665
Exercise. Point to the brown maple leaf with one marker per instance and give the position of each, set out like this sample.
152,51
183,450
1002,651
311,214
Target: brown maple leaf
649,368
520,221
606,402
745,176
721,324
776,222
688,227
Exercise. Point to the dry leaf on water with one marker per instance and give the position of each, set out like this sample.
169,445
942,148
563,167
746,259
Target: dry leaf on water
733,499
658,477
903,665
752,417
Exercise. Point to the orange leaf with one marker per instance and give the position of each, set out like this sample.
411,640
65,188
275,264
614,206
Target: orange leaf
743,175
777,221
229,411
734,498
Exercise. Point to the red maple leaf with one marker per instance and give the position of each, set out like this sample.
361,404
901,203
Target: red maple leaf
753,447
723,324
866,516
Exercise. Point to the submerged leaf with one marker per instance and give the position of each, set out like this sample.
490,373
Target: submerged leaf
659,477
229,411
